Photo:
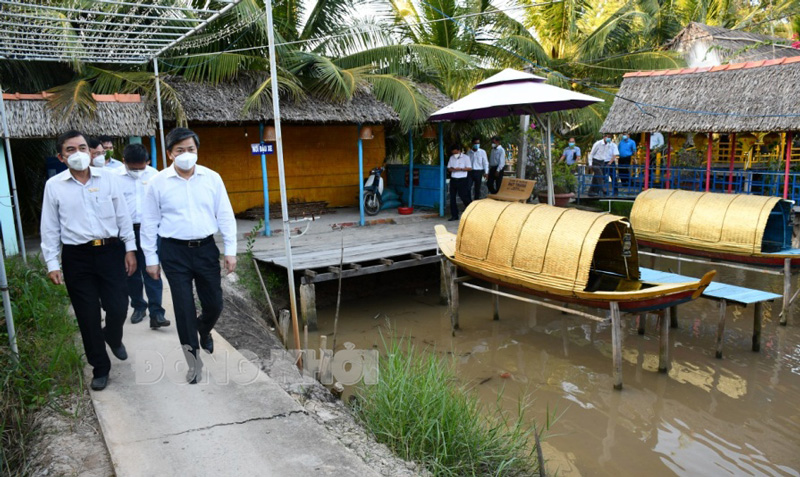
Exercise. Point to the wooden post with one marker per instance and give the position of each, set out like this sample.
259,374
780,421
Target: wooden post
616,344
496,304
641,320
669,163
721,327
787,170
308,305
757,320
647,161
673,316
444,283
663,341
285,317
732,159
453,299
323,345
787,290
709,151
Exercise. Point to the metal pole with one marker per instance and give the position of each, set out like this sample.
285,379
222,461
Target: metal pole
550,190
646,162
709,151
264,182
153,153
732,158
787,171
410,169
13,179
360,178
12,334
524,124
276,112
160,115
442,178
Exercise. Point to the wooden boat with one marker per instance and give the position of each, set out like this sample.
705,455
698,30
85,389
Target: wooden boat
732,227
568,255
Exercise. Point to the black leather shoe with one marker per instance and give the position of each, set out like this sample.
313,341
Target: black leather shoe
137,316
195,372
120,352
158,321
207,342
98,384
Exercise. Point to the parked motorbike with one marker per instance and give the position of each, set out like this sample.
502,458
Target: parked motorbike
373,188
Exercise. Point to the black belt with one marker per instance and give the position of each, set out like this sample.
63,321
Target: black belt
99,242
190,243
137,226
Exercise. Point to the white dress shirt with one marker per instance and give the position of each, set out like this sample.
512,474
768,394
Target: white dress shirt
479,160
113,164
183,209
603,151
656,140
75,213
134,189
459,161
498,158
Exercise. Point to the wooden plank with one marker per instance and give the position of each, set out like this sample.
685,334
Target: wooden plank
334,269
416,256
354,266
387,262
310,273
368,270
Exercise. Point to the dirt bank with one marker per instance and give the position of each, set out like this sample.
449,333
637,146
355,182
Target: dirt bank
243,326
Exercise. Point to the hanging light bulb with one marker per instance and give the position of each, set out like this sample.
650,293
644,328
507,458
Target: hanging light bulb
269,134
245,132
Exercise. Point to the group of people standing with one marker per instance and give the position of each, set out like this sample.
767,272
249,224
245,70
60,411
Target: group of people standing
116,224
612,162
469,170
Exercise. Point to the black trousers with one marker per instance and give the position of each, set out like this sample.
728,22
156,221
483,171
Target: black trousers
140,279
459,187
185,266
494,181
475,178
95,277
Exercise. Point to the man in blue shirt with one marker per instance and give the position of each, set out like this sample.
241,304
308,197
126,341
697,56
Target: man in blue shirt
627,148
572,153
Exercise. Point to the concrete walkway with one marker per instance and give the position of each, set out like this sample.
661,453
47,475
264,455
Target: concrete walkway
236,421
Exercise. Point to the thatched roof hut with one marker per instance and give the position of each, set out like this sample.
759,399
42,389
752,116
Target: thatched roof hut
705,45
743,97
29,116
224,104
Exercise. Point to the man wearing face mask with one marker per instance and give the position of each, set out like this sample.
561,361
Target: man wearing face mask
627,149
603,155
108,146
133,180
497,164
185,205
480,167
86,219
572,153
96,152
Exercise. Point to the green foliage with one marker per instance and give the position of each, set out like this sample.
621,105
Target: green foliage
419,410
564,180
49,362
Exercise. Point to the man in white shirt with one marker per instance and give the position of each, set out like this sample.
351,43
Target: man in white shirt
480,167
497,165
459,166
133,179
86,219
185,205
656,141
108,147
604,154
97,152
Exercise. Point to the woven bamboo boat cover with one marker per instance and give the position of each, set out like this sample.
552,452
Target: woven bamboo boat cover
703,220
540,245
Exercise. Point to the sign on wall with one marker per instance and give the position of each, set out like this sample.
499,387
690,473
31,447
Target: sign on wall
260,148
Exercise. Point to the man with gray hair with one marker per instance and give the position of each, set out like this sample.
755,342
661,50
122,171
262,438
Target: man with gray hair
186,204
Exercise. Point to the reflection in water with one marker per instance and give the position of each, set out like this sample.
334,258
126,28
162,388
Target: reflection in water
736,416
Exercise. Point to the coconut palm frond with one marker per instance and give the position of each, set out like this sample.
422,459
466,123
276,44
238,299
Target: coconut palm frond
329,81
171,101
612,69
615,35
325,18
352,37
408,59
73,97
219,67
399,93
288,86
518,51
110,81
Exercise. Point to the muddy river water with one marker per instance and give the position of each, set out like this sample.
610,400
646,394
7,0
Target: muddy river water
739,415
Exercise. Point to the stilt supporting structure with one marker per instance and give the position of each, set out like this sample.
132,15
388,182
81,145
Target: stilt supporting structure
663,343
723,305
616,344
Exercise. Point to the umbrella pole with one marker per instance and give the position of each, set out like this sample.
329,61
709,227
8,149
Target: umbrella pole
525,122
550,189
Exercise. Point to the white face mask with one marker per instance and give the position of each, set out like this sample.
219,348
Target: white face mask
135,174
186,161
79,161
99,161
494,146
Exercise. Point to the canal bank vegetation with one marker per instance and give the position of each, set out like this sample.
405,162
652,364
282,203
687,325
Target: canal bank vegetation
420,411
49,365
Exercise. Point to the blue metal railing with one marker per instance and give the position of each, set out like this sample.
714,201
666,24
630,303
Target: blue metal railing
628,181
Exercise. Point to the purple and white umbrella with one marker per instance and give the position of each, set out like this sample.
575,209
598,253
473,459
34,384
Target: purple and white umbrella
514,93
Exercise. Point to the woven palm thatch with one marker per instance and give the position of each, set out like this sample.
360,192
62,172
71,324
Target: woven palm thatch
703,220
225,103
713,45
732,98
34,119
542,247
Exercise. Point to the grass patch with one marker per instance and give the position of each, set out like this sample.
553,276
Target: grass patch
49,364
617,207
248,277
419,410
